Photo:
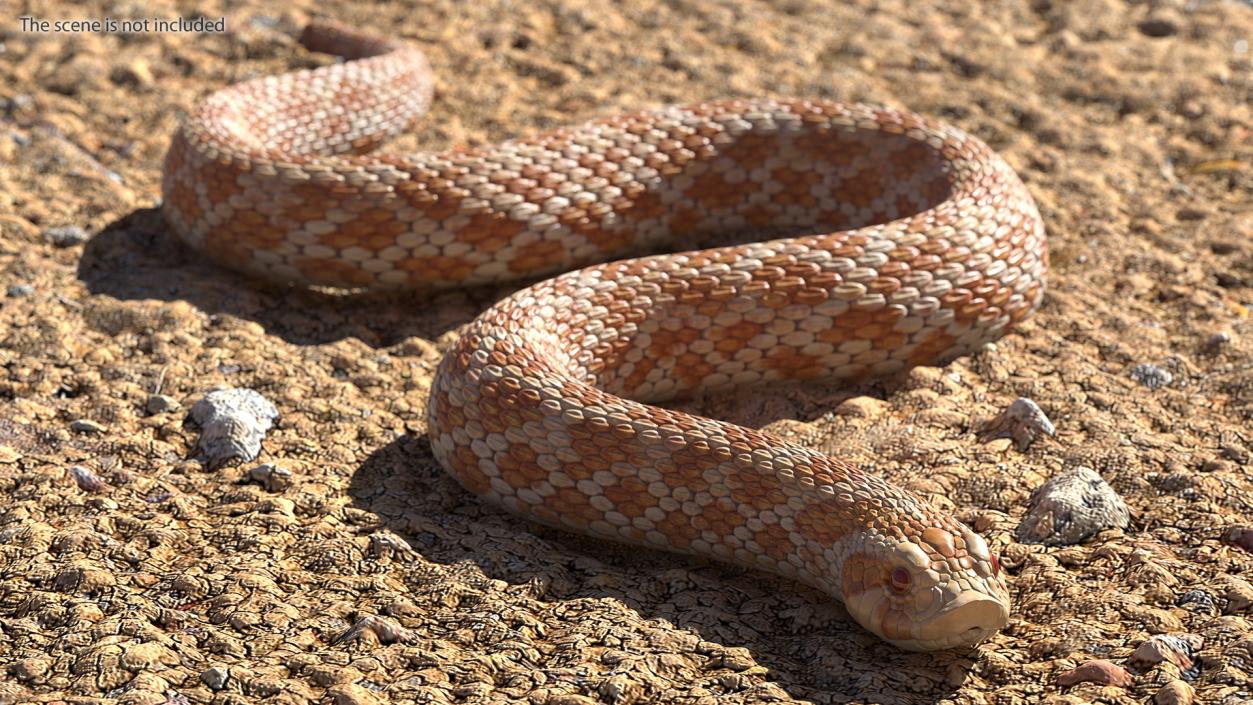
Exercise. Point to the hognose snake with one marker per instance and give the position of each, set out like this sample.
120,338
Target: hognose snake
928,246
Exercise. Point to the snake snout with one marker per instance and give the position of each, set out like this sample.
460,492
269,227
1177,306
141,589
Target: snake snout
968,619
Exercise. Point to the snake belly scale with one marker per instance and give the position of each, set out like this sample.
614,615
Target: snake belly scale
891,240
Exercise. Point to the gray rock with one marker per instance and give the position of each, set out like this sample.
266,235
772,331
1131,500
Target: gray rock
1179,649
273,477
66,235
233,423
86,426
1022,421
1151,376
215,677
1217,341
87,480
160,403
1071,507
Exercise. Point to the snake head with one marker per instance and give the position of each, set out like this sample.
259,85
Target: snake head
940,589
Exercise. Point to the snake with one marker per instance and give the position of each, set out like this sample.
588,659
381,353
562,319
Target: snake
845,241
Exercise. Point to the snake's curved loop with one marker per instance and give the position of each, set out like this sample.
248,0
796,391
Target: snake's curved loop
922,245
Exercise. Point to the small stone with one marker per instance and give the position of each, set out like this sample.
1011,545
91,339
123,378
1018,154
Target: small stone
273,477
66,235
87,480
1237,594
215,677
84,580
278,505
1174,693
1234,453
388,545
1158,27
30,669
86,426
1197,601
1097,671
1178,649
1217,341
233,423
148,655
1239,536
1217,465
1023,421
17,291
136,73
862,407
1071,507
161,403
1151,376
386,631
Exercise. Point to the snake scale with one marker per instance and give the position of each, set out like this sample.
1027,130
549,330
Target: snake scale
886,240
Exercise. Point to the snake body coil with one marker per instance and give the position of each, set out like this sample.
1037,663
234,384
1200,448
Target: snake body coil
927,247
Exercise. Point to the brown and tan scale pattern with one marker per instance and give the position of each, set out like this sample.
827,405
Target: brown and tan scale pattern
890,240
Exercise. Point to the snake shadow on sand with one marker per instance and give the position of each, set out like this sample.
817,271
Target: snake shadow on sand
505,568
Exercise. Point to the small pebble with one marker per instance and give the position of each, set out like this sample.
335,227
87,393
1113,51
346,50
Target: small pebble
18,291
1178,649
87,480
1174,693
161,403
1023,421
215,677
1097,671
136,74
86,426
1151,376
1071,507
1237,594
1240,536
1217,341
1196,601
233,423
66,235
273,477
862,407
387,631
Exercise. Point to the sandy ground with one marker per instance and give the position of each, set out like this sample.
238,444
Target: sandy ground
177,583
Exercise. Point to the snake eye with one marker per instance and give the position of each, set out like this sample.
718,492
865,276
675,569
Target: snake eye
900,580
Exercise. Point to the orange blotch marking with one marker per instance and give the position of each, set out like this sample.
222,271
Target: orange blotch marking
630,496
720,517
776,542
539,256
931,348
440,268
